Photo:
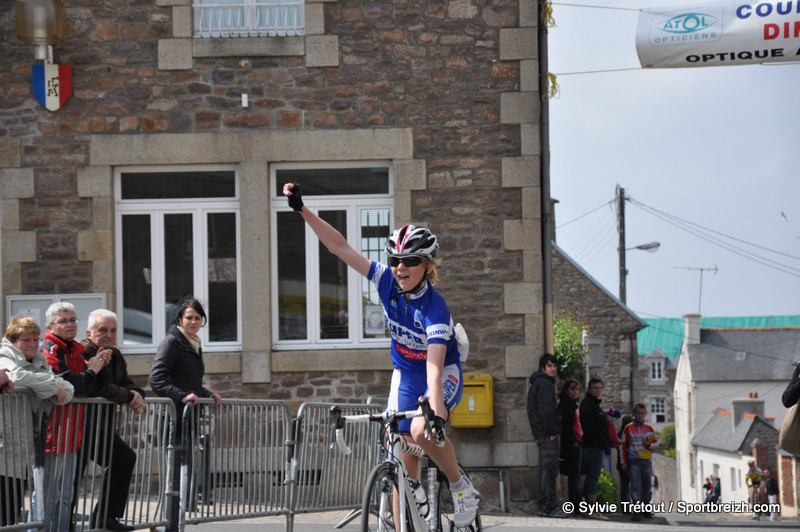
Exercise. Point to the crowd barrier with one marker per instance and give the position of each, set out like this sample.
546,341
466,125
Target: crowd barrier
241,458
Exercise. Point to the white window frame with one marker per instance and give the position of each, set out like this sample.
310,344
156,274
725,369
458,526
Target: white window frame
353,205
156,209
657,367
658,405
292,11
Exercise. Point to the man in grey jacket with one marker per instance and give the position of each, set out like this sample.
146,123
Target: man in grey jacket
546,427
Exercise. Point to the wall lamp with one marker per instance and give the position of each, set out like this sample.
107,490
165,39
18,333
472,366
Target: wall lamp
41,22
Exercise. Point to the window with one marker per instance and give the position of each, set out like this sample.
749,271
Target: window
657,370
658,410
248,18
177,236
734,476
596,348
320,301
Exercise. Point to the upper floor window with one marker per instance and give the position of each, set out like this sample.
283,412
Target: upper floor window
658,410
657,370
248,18
177,236
320,301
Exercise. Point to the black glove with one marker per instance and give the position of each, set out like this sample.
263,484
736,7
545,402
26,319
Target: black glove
438,425
296,197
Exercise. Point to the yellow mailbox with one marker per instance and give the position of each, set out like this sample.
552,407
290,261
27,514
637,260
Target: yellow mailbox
476,409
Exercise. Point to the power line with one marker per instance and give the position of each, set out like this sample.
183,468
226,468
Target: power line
696,230
585,214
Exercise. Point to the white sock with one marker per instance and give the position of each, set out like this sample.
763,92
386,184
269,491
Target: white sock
460,484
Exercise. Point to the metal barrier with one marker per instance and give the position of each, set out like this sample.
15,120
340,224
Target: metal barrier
237,459
242,458
326,479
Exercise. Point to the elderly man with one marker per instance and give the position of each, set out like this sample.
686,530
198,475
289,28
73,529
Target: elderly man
109,450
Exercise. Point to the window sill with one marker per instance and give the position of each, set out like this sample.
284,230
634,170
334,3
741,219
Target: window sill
250,46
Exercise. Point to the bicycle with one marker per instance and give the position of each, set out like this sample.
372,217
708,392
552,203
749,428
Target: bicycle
388,493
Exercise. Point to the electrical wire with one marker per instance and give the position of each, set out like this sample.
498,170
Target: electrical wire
697,231
585,214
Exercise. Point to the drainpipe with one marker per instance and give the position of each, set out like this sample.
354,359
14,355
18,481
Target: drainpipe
544,187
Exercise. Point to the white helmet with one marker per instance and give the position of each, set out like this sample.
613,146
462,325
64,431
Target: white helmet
411,240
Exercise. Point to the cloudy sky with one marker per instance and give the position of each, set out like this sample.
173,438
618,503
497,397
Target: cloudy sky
707,155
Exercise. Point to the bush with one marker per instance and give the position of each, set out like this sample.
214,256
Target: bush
568,347
607,489
668,438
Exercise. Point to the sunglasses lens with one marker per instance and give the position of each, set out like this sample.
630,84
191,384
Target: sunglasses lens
410,262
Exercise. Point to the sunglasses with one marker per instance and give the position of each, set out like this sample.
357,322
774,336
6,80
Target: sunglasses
409,262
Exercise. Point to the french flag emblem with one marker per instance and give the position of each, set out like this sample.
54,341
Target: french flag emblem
52,85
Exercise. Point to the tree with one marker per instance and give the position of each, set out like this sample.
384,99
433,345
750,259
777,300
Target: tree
668,441
569,348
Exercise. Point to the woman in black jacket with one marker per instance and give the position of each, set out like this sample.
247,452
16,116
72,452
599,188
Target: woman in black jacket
177,373
571,438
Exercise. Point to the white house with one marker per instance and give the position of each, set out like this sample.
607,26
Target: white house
725,444
717,366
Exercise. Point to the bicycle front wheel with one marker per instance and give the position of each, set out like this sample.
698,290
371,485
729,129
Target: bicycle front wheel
444,507
377,508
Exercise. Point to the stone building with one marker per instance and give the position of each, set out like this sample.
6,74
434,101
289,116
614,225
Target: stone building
611,329
159,177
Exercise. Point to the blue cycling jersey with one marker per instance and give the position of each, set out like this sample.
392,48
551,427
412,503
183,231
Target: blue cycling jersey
423,319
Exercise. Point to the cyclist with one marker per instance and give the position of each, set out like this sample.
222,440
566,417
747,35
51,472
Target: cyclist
755,487
424,349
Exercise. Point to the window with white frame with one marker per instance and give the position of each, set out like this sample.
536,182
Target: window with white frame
657,370
320,302
658,410
248,18
177,236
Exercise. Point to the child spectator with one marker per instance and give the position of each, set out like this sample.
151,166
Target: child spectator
638,440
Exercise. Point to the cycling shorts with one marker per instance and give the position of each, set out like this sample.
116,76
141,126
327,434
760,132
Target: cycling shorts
407,387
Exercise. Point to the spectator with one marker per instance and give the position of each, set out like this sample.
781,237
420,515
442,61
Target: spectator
107,448
571,434
708,488
596,441
716,490
177,373
65,426
624,480
23,364
638,441
771,484
546,426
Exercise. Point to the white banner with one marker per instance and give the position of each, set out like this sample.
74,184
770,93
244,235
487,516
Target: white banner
725,33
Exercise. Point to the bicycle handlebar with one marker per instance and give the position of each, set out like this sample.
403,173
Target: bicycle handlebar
434,422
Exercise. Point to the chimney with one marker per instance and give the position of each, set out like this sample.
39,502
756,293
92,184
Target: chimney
750,407
691,329
553,202
760,454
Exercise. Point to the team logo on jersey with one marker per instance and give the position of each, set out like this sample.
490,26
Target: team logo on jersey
418,319
52,85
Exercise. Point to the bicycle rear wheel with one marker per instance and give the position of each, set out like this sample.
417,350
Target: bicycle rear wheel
379,496
444,507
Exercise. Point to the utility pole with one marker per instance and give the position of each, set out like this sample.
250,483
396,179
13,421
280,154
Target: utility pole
623,272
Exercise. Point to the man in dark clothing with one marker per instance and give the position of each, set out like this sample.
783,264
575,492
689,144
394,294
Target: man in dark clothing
771,484
546,427
596,440
107,448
